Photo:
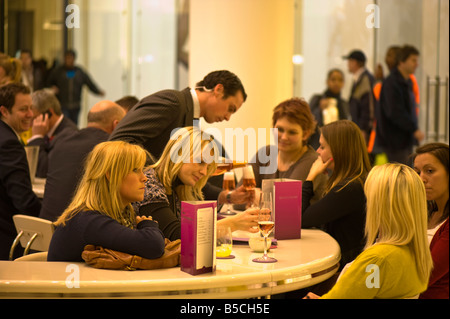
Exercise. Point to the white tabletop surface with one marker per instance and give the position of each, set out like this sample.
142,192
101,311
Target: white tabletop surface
301,263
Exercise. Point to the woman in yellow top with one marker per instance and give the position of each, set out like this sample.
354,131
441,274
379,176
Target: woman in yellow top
396,262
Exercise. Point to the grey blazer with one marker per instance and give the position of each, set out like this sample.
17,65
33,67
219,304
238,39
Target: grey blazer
150,122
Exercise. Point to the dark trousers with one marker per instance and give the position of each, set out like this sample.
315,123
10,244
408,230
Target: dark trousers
402,156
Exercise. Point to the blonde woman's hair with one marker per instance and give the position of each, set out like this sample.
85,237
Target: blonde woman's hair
350,157
186,145
99,189
397,212
12,67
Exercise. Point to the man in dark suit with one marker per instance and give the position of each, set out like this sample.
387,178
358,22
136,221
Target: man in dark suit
150,123
48,123
16,193
66,161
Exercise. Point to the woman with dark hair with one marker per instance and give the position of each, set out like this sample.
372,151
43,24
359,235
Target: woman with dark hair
431,162
342,210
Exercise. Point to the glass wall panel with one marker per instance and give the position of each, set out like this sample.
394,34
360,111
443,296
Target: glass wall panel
326,30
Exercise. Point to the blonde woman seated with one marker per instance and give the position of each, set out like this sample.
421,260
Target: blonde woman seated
101,213
396,261
179,175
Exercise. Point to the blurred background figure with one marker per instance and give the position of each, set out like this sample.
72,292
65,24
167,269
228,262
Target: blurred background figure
10,69
33,72
67,82
319,102
362,100
397,124
127,102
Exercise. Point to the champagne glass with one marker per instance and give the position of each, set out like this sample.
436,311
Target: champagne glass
224,243
265,225
228,184
248,180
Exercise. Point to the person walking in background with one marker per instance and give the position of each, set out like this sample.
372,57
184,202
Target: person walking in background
67,81
362,100
397,124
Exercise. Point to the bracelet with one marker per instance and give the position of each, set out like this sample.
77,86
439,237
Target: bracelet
228,198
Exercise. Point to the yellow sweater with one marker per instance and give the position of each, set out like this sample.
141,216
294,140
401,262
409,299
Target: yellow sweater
381,272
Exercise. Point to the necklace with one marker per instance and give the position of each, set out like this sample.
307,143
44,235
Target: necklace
284,166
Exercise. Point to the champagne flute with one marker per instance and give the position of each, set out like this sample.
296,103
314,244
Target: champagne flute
248,180
228,184
224,243
265,225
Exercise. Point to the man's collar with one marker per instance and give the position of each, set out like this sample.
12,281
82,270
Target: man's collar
52,131
358,73
196,104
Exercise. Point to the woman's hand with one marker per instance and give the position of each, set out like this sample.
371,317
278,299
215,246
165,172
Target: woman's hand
142,218
238,196
246,221
318,167
311,295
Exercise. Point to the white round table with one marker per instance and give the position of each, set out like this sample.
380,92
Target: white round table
301,263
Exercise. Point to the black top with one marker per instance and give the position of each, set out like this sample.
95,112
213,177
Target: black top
92,227
70,83
341,213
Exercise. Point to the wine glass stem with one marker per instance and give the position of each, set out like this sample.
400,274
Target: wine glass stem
265,247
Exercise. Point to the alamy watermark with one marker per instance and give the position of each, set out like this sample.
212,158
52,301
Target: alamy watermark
73,18
233,142
73,279
373,19
373,279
